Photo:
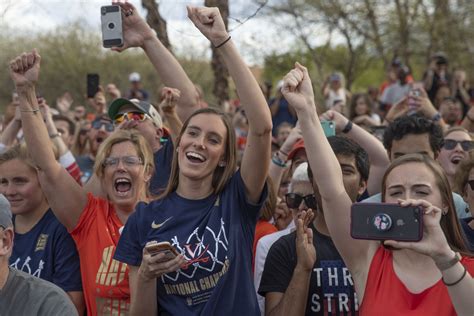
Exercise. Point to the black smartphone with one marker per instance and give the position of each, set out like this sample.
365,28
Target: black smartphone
111,20
92,85
384,221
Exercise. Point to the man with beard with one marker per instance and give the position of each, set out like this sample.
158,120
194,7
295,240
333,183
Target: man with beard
313,279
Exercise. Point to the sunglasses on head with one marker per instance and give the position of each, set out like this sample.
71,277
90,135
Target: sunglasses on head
466,145
109,127
130,116
293,200
471,184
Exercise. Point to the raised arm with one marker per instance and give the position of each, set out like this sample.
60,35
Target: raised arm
377,154
65,196
327,172
8,136
170,98
137,33
255,161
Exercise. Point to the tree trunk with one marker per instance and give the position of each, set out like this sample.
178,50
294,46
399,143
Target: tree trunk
221,74
154,19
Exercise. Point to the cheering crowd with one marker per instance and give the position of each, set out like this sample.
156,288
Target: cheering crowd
254,201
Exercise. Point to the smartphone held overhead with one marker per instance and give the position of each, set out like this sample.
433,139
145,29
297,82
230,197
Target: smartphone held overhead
111,20
384,221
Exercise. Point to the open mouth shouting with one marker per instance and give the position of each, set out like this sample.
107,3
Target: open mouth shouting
122,186
456,159
195,157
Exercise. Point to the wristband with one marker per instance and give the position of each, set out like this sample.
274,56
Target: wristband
222,44
30,111
436,117
446,265
459,280
277,161
348,127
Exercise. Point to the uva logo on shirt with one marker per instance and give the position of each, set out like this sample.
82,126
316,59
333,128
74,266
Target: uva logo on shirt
206,262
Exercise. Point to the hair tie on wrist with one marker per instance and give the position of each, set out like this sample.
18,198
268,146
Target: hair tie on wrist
348,127
222,44
459,280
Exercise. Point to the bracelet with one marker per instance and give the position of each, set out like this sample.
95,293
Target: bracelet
284,153
277,161
348,127
30,111
446,265
459,280
222,44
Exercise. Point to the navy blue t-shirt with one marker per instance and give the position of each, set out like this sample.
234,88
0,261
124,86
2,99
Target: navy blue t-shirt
163,159
47,251
283,115
215,235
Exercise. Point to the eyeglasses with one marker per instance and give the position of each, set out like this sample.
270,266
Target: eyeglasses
129,161
131,116
109,127
466,145
471,184
293,200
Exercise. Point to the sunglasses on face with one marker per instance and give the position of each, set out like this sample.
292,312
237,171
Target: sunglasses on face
471,184
293,200
466,145
130,116
109,127
128,161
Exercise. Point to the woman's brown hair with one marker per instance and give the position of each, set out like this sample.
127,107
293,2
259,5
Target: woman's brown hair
352,111
221,174
449,223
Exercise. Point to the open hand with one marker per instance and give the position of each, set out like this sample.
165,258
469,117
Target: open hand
297,89
24,69
305,251
209,22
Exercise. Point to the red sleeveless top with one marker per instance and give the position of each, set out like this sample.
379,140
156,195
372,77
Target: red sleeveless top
386,295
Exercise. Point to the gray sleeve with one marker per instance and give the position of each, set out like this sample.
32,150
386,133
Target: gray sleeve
461,206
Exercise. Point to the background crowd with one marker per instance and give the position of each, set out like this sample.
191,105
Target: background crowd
254,197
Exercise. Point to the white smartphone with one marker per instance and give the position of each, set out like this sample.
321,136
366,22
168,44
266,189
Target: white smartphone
111,19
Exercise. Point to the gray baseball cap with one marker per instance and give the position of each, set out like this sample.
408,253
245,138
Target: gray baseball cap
5,213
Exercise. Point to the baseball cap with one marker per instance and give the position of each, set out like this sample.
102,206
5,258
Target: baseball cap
141,106
134,77
5,213
299,145
335,77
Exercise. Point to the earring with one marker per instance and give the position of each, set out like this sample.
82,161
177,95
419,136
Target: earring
177,149
444,211
222,164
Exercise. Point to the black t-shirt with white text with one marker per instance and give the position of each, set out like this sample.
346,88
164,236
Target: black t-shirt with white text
331,289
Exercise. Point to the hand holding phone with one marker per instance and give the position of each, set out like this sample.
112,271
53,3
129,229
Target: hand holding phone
154,248
384,221
329,128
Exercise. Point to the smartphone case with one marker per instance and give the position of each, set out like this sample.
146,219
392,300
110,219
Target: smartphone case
111,20
329,128
385,221
92,85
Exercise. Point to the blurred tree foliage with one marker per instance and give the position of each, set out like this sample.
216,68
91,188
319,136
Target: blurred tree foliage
363,36
70,52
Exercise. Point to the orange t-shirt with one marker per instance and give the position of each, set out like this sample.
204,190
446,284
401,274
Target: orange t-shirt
386,295
104,280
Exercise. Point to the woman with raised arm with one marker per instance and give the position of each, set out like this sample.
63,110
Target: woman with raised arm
124,165
209,211
429,277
